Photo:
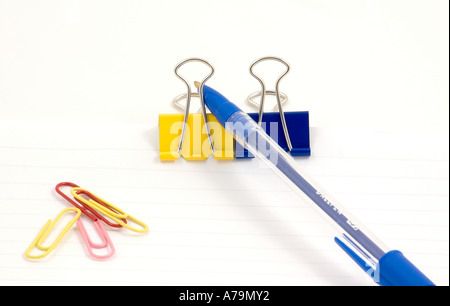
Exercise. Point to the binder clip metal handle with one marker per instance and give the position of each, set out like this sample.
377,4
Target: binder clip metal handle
252,96
281,98
177,101
188,96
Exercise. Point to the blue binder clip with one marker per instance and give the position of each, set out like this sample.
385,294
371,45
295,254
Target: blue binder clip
294,134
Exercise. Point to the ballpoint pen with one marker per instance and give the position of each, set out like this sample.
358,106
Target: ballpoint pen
386,267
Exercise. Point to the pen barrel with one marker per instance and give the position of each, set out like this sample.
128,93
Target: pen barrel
352,237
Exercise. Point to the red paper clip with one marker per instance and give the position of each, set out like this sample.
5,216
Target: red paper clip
88,211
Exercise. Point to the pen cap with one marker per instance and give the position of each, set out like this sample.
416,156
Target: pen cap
396,270
219,106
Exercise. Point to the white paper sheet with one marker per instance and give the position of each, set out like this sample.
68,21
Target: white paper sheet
218,222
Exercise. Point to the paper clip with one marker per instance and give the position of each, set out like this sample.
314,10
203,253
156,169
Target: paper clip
107,209
189,135
294,135
45,231
103,234
96,219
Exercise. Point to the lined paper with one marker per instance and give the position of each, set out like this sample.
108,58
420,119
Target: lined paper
218,222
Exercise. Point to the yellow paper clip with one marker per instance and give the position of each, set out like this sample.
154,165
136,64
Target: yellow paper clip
189,135
45,231
116,214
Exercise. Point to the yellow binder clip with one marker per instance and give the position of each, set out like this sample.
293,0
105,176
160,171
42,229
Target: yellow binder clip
116,214
189,135
45,231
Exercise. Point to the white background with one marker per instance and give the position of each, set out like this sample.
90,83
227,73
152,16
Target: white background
372,63
82,84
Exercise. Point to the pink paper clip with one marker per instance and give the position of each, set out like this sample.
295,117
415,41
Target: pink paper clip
102,233
91,245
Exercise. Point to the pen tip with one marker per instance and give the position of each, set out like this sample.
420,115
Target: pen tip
197,84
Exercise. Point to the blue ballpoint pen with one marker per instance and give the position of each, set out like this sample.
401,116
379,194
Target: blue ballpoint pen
386,267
